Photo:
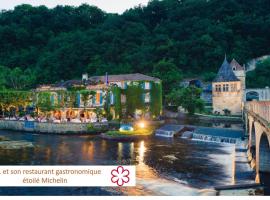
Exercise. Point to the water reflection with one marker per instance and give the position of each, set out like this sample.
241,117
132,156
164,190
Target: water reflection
120,151
142,149
165,163
88,150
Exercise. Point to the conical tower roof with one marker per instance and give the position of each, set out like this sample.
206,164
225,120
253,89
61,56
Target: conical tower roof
225,73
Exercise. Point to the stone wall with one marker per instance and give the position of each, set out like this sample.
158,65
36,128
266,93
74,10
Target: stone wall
55,128
231,100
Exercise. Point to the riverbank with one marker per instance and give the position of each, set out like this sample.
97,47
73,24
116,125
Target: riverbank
203,117
65,128
50,128
137,134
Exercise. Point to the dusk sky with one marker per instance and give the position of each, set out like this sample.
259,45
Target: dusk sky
112,6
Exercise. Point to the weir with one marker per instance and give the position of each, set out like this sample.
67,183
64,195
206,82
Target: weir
211,138
208,134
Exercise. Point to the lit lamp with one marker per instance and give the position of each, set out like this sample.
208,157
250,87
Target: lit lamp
141,124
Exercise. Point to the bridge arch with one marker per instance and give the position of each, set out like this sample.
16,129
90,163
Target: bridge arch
252,139
252,95
264,153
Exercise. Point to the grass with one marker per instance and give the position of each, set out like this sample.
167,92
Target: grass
98,129
136,132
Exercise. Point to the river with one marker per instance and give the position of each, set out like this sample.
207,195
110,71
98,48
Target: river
163,166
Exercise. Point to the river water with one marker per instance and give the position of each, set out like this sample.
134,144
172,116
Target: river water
163,166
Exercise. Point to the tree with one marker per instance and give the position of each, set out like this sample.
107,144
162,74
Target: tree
43,102
3,81
168,73
188,36
261,74
188,98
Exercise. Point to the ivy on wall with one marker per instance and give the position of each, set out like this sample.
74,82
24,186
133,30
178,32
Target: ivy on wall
86,96
50,101
43,102
155,99
134,98
116,91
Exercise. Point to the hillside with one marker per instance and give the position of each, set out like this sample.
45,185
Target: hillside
169,39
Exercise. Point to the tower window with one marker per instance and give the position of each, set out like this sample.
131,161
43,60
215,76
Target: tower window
225,87
233,87
218,88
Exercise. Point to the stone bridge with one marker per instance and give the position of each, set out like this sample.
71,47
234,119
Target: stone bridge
257,121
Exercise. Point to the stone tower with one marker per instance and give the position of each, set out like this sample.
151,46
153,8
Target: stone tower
227,91
239,72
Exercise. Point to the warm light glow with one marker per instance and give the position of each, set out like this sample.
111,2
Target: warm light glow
141,152
141,124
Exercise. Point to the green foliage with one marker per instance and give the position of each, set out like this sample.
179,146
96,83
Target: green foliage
227,111
86,96
16,78
261,74
91,128
107,105
162,38
168,73
100,113
70,99
117,101
43,102
134,98
188,98
137,132
156,99
15,98
209,76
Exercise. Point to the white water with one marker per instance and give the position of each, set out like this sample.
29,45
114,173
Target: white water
210,138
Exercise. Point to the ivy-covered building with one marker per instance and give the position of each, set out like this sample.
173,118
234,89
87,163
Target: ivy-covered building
111,96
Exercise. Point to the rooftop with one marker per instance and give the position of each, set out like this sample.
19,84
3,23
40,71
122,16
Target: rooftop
95,81
236,66
225,73
124,77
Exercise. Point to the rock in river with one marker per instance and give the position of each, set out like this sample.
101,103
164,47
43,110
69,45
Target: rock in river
15,144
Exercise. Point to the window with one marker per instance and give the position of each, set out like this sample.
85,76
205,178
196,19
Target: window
111,98
147,86
233,87
123,98
225,87
147,98
218,88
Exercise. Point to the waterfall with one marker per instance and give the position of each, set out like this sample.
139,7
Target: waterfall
211,138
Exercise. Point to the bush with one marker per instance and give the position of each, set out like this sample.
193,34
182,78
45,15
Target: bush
136,132
96,129
226,111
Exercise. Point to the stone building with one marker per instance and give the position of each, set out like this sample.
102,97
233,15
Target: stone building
240,73
228,88
70,103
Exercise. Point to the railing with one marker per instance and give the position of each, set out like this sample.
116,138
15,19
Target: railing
261,108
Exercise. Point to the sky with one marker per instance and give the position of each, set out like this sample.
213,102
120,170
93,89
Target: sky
111,6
